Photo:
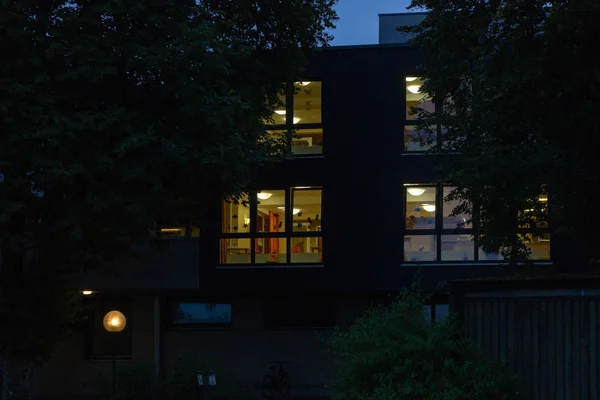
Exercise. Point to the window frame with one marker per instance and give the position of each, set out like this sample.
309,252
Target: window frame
439,231
289,128
288,232
418,122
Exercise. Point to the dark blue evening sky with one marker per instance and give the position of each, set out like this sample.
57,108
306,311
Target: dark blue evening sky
358,23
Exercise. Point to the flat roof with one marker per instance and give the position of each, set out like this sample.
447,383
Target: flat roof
366,46
406,13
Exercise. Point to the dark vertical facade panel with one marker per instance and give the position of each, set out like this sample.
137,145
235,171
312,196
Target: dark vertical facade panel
593,338
535,349
551,342
544,343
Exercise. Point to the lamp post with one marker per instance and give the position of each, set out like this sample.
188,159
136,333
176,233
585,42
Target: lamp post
114,322
206,380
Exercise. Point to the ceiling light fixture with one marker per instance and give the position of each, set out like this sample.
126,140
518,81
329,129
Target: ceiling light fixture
296,120
414,88
264,195
411,78
295,211
302,83
280,112
415,191
86,292
429,207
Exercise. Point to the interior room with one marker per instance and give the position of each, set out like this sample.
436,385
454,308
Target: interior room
271,218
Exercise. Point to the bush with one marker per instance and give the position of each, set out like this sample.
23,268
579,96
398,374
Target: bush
393,353
138,381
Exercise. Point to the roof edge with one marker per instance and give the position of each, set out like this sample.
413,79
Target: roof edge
367,46
406,13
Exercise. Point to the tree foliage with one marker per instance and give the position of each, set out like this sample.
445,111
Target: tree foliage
518,81
113,112
393,353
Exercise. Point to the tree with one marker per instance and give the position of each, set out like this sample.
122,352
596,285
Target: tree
518,84
114,114
393,353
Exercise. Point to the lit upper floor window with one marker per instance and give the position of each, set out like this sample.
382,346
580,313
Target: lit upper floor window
418,137
300,114
271,227
433,233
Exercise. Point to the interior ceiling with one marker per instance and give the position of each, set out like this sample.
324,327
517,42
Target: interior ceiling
410,96
301,197
427,196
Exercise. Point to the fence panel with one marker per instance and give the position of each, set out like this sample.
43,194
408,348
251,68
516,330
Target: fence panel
551,341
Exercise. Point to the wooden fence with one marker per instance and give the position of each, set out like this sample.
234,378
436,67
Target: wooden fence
551,338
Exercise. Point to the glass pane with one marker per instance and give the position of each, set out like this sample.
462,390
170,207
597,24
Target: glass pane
270,216
458,221
280,112
441,312
276,139
307,250
537,217
483,256
414,98
306,212
270,250
307,102
539,244
458,248
236,217
307,142
200,313
416,140
420,248
427,312
420,207
235,250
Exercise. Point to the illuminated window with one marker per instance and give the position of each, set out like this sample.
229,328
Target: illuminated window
300,117
416,136
435,230
273,227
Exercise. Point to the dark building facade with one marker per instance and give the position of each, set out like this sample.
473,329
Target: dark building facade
353,217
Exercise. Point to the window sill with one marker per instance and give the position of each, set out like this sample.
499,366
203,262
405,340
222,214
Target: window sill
466,264
308,157
270,266
108,358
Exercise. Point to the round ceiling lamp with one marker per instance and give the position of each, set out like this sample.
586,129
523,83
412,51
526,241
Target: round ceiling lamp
429,207
414,88
264,195
411,78
415,191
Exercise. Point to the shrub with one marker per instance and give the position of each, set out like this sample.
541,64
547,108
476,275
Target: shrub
393,353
